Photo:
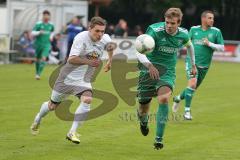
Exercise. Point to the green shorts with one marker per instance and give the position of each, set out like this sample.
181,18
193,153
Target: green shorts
42,51
201,72
147,87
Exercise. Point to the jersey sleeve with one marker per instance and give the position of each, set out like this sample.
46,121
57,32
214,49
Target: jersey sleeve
186,38
52,28
77,47
36,27
190,33
106,39
219,38
152,33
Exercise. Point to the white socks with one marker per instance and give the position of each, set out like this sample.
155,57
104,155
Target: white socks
80,116
43,112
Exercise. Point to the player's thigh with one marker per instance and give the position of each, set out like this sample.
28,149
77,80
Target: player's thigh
45,52
165,86
56,99
146,88
38,52
164,93
202,72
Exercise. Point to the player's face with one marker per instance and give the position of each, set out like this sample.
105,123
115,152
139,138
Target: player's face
209,19
171,25
46,17
97,32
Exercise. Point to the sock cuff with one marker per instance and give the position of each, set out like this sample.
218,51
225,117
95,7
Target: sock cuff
163,105
190,89
85,107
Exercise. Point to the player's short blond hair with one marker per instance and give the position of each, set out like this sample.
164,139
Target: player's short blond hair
97,21
174,12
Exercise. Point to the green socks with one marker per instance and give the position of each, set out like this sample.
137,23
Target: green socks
188,98
39,67
143,119
161,118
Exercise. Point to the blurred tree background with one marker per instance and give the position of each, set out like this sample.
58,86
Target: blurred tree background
145,12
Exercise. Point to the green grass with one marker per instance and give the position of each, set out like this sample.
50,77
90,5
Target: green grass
212,135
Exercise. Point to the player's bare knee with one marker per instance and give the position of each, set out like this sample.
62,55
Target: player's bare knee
164,98
86,99
192,83
52,106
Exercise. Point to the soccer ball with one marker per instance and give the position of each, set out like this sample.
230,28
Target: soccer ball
144,44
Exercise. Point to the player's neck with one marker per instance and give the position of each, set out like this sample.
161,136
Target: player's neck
205,27
173,34
45,21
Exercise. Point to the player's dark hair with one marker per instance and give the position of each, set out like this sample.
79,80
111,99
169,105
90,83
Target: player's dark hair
174,12
46,12
204,13
97,21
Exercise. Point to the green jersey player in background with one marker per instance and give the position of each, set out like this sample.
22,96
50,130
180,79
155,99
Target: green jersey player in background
157,70
43,32
206,39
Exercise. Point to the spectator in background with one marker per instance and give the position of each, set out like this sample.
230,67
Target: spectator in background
110,30
121,28
26,43
72,30
54,56
137,31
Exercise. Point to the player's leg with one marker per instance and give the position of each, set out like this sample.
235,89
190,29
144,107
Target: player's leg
146,90
43,61
164,93
202,72
188,92
80,115
51,105
143,116
37,63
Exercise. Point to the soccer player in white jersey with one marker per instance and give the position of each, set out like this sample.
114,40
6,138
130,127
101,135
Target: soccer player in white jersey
75,76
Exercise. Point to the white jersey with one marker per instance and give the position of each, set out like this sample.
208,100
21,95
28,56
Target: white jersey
83,46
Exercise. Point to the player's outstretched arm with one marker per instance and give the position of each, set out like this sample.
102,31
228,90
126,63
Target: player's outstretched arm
76,60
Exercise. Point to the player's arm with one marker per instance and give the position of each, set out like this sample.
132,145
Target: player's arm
36,30
214,46
190,51
153,72
77,60
110,47
218,45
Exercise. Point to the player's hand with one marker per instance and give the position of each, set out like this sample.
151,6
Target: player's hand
94,63
205,41
153,72
194,70
41,32
107,67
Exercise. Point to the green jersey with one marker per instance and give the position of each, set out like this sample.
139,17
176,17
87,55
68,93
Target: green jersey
166,45
203,53
43,39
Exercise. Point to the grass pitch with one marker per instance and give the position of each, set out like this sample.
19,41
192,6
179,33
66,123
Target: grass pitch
212,135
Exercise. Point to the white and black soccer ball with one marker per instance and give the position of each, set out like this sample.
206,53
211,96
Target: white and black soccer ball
144,44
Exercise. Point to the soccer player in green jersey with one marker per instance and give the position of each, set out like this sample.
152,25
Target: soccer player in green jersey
206,39
42,31
157,70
